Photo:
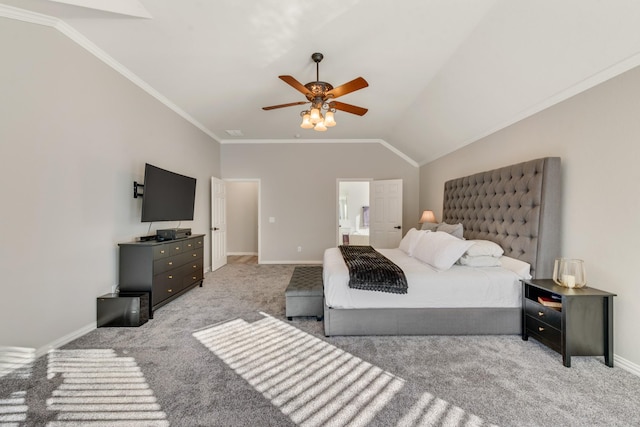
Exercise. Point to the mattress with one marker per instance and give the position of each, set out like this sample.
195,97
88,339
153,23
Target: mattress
458,287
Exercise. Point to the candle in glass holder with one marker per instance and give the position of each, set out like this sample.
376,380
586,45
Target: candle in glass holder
569,280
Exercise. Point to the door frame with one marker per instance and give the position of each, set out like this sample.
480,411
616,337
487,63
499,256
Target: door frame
259,209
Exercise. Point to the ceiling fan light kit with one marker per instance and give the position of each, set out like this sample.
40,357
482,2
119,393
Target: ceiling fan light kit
320,95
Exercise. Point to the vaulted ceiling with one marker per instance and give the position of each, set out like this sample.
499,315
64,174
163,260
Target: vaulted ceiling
441,73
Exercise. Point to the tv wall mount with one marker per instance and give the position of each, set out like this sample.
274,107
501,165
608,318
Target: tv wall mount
136,192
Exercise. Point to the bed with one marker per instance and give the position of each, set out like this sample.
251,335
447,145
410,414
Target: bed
517,207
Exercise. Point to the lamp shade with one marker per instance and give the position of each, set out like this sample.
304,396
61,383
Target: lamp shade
427,216
315,116
329,120
306,123
320,127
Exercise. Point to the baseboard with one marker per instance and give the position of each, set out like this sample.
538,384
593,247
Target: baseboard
66,339
623,363
242,253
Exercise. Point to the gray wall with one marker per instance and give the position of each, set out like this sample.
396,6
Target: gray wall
299,190
74,135
597,134
242,217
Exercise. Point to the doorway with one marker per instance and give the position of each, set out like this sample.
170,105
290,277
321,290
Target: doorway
369,212
243,219
353,212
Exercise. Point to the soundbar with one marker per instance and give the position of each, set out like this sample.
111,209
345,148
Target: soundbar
173,233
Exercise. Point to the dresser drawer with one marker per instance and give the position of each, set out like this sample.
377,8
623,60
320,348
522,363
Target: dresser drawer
192,244
194,255
192,277
175,248
544,314
195,265
165,264
160,251
166,285
544,333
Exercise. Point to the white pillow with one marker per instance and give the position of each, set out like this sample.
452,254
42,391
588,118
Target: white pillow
484,248
439,249
521,268
479,261
409,241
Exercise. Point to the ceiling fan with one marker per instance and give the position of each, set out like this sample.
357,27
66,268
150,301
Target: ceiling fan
321,95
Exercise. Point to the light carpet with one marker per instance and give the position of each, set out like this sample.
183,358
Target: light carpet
225,355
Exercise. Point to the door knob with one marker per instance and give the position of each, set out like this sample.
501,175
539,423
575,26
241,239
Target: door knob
398,227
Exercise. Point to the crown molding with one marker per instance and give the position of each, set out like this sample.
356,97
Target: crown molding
27,16
66,29
325,141
582,86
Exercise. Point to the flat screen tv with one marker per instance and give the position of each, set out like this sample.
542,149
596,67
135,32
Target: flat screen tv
167,196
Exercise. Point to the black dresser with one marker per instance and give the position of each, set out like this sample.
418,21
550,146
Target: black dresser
165,270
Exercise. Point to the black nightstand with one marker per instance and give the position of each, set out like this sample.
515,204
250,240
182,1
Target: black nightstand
583,326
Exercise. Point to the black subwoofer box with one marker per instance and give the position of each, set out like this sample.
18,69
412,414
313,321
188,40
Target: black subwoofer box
131,309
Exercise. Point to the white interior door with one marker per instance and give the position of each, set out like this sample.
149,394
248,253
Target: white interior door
386,213
218,223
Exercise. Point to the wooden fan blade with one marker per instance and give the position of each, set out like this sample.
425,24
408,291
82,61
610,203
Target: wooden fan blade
295,84
352,86
291,104
353,109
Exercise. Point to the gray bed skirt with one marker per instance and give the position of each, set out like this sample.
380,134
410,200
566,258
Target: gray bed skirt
422,321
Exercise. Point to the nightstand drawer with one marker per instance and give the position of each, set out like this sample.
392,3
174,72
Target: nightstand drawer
544,314
544,333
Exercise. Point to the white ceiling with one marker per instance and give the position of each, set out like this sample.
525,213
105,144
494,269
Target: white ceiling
441,73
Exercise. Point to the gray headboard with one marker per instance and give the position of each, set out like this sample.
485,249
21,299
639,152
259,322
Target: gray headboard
516,206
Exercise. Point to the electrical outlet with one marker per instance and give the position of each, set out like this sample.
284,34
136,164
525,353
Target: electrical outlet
299,248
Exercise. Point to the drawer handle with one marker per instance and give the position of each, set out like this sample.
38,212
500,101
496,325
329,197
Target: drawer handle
194,278
169,290
195,266
199,243
195,255
177,248
540,314
170,262
162,251
170,277
189,245
540,328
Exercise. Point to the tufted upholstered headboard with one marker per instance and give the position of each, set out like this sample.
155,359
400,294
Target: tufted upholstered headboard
516,206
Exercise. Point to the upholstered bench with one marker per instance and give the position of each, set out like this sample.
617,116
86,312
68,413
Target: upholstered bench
304,295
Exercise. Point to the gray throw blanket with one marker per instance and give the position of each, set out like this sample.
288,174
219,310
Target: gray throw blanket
370,270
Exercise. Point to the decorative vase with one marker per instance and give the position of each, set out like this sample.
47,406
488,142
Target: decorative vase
569,273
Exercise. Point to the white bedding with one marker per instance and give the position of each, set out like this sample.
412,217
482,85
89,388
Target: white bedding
460,286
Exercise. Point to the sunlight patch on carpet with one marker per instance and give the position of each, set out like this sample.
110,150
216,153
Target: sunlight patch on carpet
100,388
308,379
432,411
15,363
